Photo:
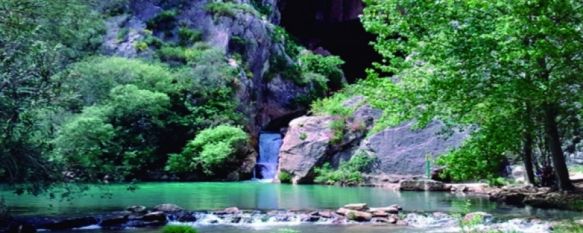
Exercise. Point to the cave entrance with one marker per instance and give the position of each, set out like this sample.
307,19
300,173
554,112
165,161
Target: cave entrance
333,25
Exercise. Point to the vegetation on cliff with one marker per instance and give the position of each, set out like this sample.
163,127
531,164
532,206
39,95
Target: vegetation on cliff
510,69
72,113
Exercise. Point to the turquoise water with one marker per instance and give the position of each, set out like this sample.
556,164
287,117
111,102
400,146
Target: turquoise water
253,195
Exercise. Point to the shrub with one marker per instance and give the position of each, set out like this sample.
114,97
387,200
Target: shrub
338,126
303,136
122,34
178,229
141,46
327,66
348,173
568,227
230,9
162,20
133,113
179,54
285,177
188,36
211,149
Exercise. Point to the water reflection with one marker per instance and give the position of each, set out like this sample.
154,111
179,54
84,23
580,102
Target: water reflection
253,195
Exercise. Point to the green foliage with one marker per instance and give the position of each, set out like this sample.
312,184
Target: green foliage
230,9
179,54
327,66
303,136
333,105
122,34
178,229
212,149
262,8
113,7
292,48
37,39
338,127
188,36
285,177
140,112
348,173
141,46
162,20
568,227
490,64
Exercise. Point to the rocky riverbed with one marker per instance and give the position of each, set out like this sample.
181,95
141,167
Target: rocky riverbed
357,213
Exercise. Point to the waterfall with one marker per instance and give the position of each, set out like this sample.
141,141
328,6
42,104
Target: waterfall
269,144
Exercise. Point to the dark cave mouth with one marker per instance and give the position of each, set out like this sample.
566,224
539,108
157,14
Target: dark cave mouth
332,25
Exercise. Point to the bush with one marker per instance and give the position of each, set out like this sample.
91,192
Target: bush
179,54
178,229
338,126
348,173
285,177
211,150
163,20
133,114
230,9
327,66
568,227
188,36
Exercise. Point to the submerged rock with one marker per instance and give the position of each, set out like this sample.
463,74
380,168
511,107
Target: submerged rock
70,223
167,208
478,217
359,216
422,185
357,206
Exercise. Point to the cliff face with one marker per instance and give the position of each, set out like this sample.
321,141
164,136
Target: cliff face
264,97
400,151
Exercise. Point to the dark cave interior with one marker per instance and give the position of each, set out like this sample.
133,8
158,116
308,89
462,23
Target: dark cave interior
332,25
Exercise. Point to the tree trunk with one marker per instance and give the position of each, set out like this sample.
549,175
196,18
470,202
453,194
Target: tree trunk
557,157
527,157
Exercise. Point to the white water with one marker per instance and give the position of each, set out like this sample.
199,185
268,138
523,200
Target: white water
269,144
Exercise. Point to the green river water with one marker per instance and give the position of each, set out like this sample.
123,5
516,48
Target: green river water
263,196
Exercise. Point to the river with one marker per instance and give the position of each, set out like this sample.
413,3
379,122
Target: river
262,196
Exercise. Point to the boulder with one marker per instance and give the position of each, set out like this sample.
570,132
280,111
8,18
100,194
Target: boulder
21,228
70,223
393,219
113,222
422,185
478,217
379,214
359,216
137,209
168,208
304,146
394,209
402,150
155,216
342,211
232,210
357,206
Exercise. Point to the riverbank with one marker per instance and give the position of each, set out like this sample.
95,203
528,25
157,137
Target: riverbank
140,217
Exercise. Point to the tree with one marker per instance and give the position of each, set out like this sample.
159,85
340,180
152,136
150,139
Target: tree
479,62
37,39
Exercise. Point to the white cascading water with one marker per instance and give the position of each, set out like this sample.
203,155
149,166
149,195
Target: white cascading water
269,144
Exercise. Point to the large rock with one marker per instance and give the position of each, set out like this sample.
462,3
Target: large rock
357,206
305,146
70,223
402,150
168,208
422,185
